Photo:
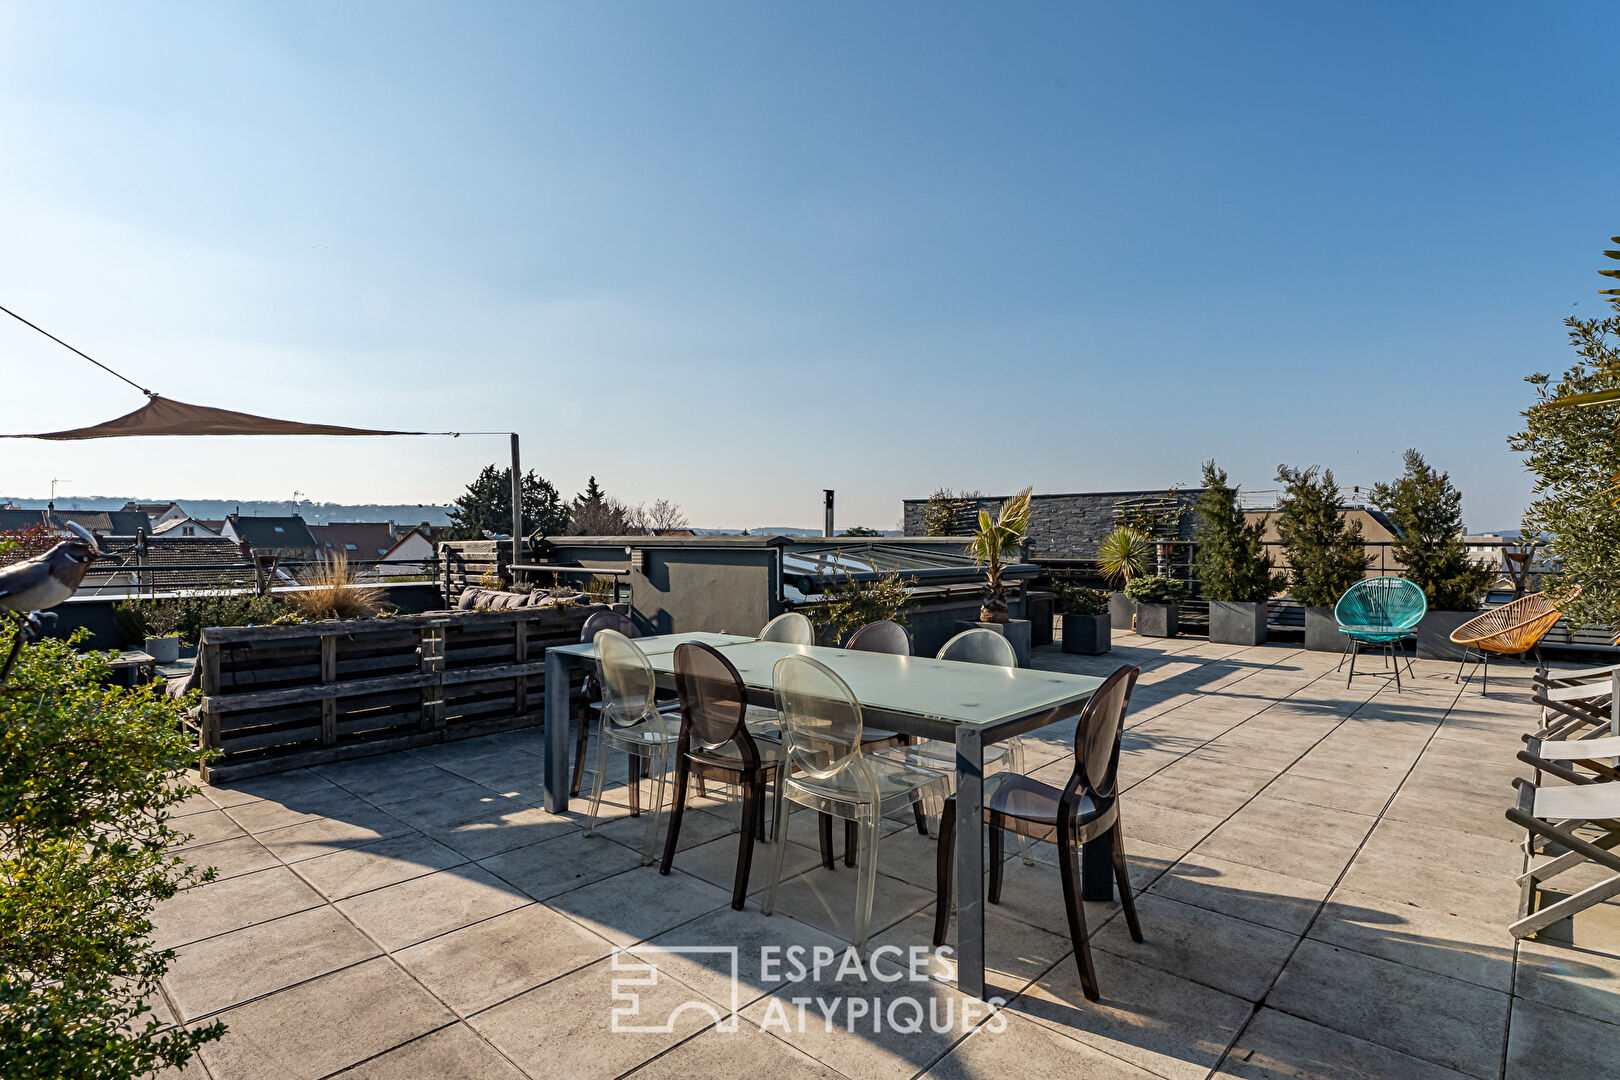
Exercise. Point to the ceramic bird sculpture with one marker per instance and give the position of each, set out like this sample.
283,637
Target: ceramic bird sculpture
46,580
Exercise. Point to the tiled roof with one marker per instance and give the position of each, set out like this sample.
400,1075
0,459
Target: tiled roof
202,553
100,522
270,533
361,540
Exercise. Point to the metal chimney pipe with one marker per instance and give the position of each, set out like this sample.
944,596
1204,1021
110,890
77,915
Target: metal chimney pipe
827,528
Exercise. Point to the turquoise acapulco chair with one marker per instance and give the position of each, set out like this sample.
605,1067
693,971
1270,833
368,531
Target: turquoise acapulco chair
1379,612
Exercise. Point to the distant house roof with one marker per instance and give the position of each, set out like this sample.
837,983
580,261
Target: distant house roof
272,533
209,561
363,541
100,522
674,532
177,525
153,510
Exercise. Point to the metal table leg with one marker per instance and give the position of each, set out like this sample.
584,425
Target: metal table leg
969,861
559,675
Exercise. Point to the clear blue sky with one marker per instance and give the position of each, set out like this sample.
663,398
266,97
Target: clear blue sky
731,254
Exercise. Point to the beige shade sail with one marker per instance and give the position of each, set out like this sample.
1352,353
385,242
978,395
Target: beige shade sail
161,416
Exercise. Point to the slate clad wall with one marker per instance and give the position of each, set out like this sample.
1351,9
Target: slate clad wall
1065,526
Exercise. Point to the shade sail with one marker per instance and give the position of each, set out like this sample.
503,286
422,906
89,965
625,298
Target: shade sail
160,416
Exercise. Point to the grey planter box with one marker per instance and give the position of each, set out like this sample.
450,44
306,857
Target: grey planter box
1087,634
1232,622
1434,635
1157,620
165,650
1322,631
1016,631
1121,610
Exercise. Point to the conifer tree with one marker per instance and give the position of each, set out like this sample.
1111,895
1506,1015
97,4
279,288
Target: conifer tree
1325,553
1427,512
1232,562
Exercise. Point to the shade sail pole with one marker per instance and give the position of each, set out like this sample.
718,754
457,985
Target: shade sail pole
517,505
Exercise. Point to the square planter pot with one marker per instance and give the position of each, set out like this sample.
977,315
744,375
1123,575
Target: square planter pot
1322,631
1157,620
1121,610
1233,622
1087,634
1016,631
1434,635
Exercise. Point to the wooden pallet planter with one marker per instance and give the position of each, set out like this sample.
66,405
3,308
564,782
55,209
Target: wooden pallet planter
284,697
475,563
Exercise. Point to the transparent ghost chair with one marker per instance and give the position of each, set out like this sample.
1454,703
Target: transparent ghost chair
631,721
591,702
1001,759
828,771
789,628
888,637
715,744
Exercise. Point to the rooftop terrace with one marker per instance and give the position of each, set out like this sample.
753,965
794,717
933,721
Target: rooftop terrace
1324,878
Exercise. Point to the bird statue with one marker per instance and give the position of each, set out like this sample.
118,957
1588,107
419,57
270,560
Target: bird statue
46,580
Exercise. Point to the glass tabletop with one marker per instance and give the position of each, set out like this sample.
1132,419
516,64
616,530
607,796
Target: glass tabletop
659,645
947,689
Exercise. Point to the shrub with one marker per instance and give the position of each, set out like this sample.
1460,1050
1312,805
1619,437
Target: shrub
88,776
1074,600
188,614
329,592
946,512
1124,554
1427,512
1325,553
600,589
852,604
1232,562
1155,589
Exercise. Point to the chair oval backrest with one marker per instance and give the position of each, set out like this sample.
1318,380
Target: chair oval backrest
1096,734
629,687
1515,626
887,636
979,646
821,720
713,698
789,628
1391,602
608,620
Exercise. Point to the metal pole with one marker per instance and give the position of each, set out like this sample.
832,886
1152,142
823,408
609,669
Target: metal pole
517,504
827,527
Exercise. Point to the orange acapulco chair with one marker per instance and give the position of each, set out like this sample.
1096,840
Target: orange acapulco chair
1510,630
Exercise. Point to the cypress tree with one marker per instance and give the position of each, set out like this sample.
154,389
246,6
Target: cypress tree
1232,562
1325,553
1427,512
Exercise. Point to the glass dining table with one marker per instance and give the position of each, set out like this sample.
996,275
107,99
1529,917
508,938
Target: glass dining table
967,705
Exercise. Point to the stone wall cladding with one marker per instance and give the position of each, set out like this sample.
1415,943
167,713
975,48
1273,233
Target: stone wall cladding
1066,526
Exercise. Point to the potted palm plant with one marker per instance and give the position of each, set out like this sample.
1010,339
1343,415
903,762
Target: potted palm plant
1325,553
993,542
1156,598
1234,569
1123,554
1427,512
